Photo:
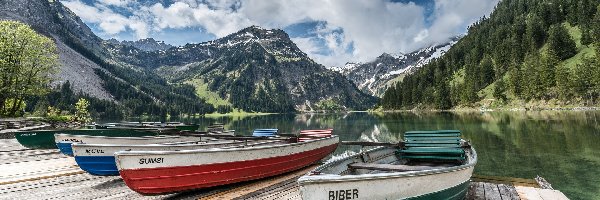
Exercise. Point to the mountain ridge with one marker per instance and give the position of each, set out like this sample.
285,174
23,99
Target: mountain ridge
375,76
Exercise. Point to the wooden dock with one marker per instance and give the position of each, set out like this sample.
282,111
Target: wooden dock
47,174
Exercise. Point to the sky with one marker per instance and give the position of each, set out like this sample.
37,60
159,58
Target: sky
332,32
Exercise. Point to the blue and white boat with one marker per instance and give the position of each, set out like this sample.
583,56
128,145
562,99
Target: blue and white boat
64,141
98,159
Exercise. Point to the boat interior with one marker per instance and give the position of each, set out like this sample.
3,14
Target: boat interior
420,150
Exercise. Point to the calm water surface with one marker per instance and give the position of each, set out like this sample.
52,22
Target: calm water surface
563,147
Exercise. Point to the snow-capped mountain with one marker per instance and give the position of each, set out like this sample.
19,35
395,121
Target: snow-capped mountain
375,76
148,44
255,69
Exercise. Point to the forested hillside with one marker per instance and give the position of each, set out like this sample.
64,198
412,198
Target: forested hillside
87,70
526,51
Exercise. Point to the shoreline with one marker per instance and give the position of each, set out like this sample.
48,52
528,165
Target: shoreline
521,109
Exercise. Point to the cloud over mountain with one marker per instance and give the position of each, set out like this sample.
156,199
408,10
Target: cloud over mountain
344,30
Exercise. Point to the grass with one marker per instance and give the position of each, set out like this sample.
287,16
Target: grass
203,92
237,113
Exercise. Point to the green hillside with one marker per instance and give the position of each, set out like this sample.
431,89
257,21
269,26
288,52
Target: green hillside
526,54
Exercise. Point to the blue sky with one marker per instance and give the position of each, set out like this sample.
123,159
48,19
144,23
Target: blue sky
332,32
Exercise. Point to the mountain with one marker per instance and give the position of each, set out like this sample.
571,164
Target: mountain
526,54
88,68
148,44
376,76
254,69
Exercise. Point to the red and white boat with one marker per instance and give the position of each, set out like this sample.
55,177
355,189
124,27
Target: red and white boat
155,172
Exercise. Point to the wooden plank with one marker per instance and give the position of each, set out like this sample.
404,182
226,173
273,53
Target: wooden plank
505,180
513,192
471,191
479,191
549,194
491,191
528,193
506,193
389,167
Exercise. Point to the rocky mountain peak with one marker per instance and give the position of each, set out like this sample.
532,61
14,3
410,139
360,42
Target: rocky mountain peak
375,76
147,44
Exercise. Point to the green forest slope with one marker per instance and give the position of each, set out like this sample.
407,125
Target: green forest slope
527,53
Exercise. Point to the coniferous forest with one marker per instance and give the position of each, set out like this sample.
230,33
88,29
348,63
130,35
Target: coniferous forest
525,51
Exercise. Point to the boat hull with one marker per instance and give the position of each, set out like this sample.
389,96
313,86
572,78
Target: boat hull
446,185
99,159
187,127
167,173
45,139
64,141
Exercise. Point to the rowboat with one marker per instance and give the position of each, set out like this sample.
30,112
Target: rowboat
155,172
427,165
64,141
98,159
44,139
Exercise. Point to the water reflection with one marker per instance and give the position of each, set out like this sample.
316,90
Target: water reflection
563,147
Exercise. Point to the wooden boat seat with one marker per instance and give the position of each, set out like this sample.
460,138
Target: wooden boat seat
390,167
431,132
438,145
433,135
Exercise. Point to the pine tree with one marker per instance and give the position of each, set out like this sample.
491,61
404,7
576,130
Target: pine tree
443,96
548,65
515,82
563,82
560,42
535,32
487,72
499,90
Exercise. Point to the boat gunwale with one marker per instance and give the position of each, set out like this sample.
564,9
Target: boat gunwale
110,137
212,150
331,178
191,143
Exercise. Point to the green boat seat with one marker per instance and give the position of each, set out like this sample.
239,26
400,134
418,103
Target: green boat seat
453,141
411,139
433,150
439,145
434,157
434,135
431,132
431,145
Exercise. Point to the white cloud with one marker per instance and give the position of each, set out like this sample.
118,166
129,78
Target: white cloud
120,3
307,44
110,22
370,27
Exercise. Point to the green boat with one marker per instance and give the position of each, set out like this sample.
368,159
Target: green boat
426,165
44,139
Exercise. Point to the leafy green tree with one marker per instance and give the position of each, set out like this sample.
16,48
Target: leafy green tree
560,42
27,60
82,113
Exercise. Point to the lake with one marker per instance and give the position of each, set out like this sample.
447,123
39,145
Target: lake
561,146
